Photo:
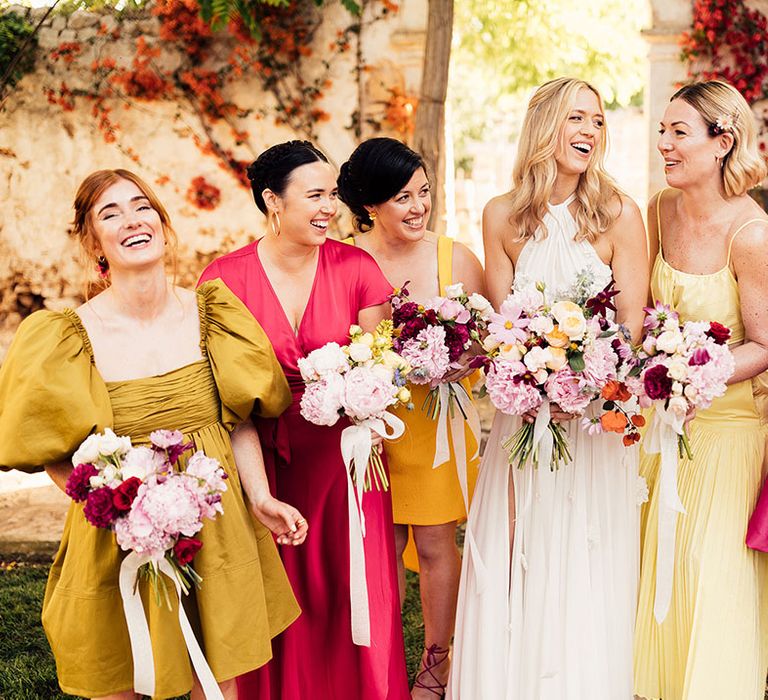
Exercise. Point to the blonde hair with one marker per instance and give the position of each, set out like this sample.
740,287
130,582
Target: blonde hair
715,100
88,194
535,169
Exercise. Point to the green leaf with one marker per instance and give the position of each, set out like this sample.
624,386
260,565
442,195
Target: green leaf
576,362
609,406
351,6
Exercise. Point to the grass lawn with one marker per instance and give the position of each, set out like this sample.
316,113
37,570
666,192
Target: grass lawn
27,670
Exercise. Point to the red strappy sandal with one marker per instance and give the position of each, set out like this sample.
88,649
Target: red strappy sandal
426,679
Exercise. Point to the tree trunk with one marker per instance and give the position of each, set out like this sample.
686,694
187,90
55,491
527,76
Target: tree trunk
429,132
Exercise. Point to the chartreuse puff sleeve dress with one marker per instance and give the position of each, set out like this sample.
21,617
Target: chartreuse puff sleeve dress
52,397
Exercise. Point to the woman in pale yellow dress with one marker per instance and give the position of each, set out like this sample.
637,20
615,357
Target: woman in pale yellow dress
710,243
384,183
143,355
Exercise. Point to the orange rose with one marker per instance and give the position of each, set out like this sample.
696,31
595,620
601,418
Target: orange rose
613,422
616,391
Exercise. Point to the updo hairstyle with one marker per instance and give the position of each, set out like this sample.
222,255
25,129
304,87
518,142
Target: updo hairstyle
272,169
375,172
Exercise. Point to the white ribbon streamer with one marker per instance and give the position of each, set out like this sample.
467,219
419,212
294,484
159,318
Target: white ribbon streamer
138,631
356,451
662,438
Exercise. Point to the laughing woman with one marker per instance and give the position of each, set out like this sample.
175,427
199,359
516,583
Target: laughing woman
546,607
306,290
143,355
384,183
710,242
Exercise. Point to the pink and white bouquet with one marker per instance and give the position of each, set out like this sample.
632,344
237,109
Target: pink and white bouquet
359,381
684,366
154,509
433,336
567,353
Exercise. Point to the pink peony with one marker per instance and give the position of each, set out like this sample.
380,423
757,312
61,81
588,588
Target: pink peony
366,394
506,390
569,391
321,401
427,354
172,507
600,362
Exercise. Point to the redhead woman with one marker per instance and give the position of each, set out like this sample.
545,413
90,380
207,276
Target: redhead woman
546,607
143,355
709,636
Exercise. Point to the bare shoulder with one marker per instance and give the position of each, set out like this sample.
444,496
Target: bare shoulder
463,255
750,243
496,213
629,220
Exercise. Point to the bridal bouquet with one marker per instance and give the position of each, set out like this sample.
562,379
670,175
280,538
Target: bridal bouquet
684,366
154,509
360,381
568,353
432,337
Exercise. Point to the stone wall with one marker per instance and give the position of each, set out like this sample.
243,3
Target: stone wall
46,151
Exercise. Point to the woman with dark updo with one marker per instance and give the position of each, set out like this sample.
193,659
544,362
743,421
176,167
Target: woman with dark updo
306,290
385,185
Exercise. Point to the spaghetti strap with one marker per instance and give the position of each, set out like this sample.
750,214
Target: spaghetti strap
736,233
444,262
658,216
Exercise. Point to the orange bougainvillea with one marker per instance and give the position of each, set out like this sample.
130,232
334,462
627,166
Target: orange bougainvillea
203,194
400,110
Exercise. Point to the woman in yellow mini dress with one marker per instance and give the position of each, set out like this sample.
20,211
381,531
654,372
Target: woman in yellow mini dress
384,183
139,356
711,264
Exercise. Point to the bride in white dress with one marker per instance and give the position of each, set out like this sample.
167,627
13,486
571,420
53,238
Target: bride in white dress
548,584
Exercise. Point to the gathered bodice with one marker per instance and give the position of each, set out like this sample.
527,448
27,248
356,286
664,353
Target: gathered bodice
185,398
555,257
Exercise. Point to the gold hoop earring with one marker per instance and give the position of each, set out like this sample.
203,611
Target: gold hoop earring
274,223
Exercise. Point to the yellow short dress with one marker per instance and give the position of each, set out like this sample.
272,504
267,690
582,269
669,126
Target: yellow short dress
713,643
422,495
52,397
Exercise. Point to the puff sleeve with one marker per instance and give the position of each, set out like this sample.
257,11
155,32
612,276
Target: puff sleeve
51,395
248,376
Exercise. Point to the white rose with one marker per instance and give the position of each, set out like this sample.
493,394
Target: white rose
678,406
510,352
480,304
678,369
537,358
677,389
88,452
541,325
490,343
573,325
669,341
360,352
329,359
109,443
562,309
690,392
671,324
454,291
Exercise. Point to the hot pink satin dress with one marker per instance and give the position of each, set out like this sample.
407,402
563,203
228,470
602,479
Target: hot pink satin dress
315,657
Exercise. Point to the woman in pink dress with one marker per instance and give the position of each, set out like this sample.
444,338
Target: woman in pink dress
306,290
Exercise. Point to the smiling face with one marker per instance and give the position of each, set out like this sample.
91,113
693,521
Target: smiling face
406,214
128,230
581,134
308,203
690,153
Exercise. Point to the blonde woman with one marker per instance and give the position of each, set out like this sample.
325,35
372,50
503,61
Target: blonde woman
710,242
547,596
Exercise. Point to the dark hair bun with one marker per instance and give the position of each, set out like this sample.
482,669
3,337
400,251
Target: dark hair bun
272,169
375,172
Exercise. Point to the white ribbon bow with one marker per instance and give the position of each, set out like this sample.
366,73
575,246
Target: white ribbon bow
356,451
662,438
138,630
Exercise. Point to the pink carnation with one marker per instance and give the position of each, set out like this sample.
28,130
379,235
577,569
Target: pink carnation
367,394
567,390
321,401
507,392
428,354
